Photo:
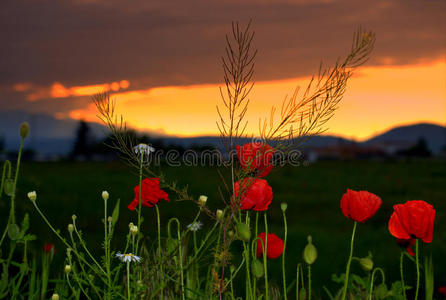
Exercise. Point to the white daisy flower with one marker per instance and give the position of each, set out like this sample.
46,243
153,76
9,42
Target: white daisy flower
128,257
195,226
143,149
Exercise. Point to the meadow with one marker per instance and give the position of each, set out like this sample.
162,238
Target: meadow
313,194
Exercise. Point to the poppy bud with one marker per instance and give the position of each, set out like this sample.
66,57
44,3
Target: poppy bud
243,232
283,206
70,228
55,296
310,252
32,196
24,130
202,200
232,268
9,187
257,268
67,269
219,214
105,195
171,246
366,263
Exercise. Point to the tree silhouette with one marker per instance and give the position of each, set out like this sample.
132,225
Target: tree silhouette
84,141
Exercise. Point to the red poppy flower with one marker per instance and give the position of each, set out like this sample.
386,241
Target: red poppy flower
360,206
274,247
255,194
48,247
407,244
256,156
442,291
151,193
413,219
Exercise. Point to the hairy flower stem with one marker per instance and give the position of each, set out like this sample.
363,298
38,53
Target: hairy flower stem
265,249
254,279
128,280
139,201
347,271
309,282
248,271
107,251
19,157
418,269
403,288
159,249
283,256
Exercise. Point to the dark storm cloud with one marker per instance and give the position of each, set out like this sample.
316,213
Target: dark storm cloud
154,43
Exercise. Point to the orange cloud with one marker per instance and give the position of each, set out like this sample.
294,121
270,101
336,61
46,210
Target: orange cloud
58,90
377,98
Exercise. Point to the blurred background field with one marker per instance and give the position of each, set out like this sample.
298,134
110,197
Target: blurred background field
313,194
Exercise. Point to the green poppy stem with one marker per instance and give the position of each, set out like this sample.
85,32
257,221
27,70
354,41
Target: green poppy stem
403,288
347,271
283,256
418,269
265,249
159,250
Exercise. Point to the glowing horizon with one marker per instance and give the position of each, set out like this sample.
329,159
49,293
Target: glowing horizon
377,99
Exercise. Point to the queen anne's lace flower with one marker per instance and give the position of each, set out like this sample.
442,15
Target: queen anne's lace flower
143,149
195,226
128,257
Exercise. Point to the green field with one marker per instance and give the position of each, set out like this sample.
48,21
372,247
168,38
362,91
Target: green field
312,192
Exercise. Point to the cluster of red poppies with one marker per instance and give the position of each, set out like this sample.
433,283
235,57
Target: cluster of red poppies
409,221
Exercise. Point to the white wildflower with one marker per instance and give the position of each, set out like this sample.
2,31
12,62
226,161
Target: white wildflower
32,196
195,226
143,149
128,257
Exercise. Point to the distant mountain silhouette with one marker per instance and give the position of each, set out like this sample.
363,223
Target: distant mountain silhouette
51,136
434,135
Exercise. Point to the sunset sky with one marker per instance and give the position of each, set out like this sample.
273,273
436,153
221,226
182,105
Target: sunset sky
161,60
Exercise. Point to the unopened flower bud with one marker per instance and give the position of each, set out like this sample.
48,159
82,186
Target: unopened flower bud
366,263
134,230
70,228
243,232
219,214
131,225
67,269
9,187
24,130
55,296
110,219
74,217
257,268
202,200
230,234
232,268
105,195
32,196
310,252
283,206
